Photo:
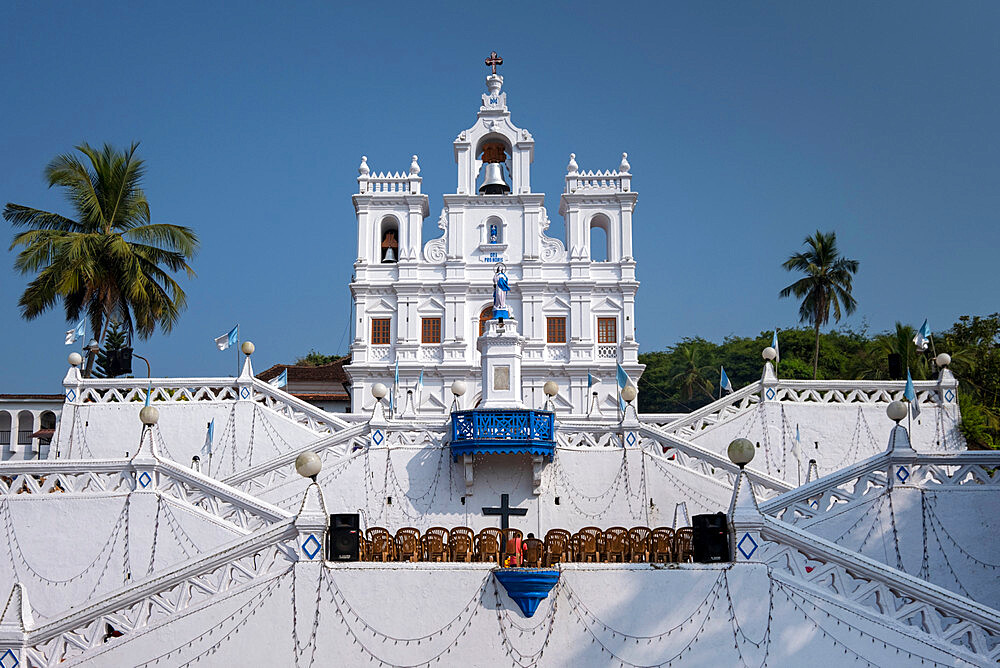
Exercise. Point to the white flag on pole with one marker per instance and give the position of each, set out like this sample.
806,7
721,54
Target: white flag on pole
228,339
77,332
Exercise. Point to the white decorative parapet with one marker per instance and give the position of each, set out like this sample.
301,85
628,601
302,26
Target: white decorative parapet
850,392
281,470
244,513
244,565
398,183
619,181
932,616
717,412
164,390
659,442
857,484
306,414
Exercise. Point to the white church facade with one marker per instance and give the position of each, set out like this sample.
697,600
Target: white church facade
216,521
422,304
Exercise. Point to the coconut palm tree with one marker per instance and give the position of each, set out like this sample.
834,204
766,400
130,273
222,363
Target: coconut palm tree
827,283
691,379
111,262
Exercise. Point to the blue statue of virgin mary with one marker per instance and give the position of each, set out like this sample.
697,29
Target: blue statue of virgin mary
500,289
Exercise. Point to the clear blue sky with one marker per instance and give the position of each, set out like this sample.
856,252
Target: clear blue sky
748,126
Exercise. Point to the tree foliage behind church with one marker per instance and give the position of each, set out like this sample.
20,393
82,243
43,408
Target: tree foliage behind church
973,342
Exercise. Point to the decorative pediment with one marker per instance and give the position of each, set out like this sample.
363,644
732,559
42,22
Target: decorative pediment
431,305
606,306
556,304
382,307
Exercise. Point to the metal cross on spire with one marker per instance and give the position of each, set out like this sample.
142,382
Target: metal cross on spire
494,60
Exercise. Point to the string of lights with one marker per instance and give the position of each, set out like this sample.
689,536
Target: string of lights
790,592
298,649
250,608
707,504
14,545
738,632
711,597
343,605
932,514
426,662
522,659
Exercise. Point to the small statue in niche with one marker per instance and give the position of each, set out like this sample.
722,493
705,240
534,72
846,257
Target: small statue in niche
501,287
494,237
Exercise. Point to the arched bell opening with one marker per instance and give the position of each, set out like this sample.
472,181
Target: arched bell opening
389,240
494,153
600,238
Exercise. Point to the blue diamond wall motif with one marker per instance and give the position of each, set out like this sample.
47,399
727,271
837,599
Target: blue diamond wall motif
311,546
902,474
948,396
144,479
245,393
630,439
8,660
71,396
752,545
815,505
770,393
377,437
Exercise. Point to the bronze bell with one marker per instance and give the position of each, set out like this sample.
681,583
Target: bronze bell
493,181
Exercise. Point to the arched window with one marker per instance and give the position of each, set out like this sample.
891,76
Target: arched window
47,422
25,427
389,240
484,317
600,238
5,424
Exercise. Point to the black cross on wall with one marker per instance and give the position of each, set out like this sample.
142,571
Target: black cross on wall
505,511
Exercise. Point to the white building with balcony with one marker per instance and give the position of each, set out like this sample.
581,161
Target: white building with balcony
421,305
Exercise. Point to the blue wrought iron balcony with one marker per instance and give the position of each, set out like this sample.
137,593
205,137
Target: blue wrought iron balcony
495,431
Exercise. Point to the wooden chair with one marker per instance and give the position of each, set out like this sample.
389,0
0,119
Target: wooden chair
460,546
408,544
534,552
487,547
615,544
381,546
682,545
586,545
661,544
557,547
432,547
638,544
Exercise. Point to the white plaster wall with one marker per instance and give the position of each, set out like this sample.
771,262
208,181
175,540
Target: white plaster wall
108,431
694,615
592,486
67,553
842,436
960,528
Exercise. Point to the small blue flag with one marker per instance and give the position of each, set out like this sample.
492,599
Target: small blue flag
923,336
207,448
223,342
774,344
623,380
591,381
910,394
724,381
798,439
420,381
78,332
281,380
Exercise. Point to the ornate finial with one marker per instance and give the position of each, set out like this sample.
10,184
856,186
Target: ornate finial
624,167
363,169
572,167
414,167
494,60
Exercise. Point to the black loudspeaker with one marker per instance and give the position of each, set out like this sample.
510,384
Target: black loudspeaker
119,362
343,537
895,366
710,538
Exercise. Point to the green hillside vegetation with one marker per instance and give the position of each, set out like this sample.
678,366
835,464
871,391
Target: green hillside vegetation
685,376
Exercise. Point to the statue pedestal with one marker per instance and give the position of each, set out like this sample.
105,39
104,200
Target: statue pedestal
500,349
